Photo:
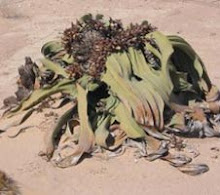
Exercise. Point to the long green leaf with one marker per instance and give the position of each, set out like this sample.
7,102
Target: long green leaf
102,133
127,122
56,68
38,95
189,61
86,135
51,48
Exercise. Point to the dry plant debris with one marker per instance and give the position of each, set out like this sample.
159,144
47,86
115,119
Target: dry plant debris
7,185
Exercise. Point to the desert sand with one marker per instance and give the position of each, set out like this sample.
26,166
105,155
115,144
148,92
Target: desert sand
26,24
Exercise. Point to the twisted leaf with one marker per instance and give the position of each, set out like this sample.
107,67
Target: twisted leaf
86,136
38,95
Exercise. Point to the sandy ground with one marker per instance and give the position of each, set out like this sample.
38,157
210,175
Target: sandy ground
26,24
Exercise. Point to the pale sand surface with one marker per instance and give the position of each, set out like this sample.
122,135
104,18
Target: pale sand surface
26,24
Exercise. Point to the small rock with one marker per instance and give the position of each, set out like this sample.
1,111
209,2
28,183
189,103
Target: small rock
216,149
212,34
214,157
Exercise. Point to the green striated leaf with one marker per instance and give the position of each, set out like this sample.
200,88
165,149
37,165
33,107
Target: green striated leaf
146,107
111,103
158,79
177,121
56,68
86,139
127,122
120,64
67,59
38,95
54,50
187,59
51,48
86,135
87,82
53,135
180,81
155,102
102,132
124,90
60,123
